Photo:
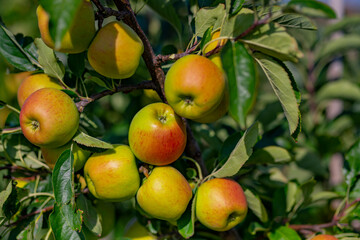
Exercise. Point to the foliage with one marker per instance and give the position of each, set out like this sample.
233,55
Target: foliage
279,140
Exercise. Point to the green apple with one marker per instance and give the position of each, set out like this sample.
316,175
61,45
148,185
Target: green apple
165,194
80,34
157,135
33,83
220,204
194,86
112,175
51,155
4,113
49,118
115,51
136,231
324,237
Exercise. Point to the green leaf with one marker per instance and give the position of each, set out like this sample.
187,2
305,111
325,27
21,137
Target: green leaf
293,20
292,195
209,17
91,143
91,216
206,38
339,46
8,201
11,50
352,163
52,66
312,8
186,222
284,233
238,23
347,24
342,89
61,14
97,80
270,154
235,6
273,40
62,177
240,70
76,63
240,154
256,206
285,88
65,223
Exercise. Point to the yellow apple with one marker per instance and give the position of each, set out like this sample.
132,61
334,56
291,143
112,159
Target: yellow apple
4,113
137,231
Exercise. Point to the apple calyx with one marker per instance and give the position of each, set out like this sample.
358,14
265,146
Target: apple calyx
35,125
233,217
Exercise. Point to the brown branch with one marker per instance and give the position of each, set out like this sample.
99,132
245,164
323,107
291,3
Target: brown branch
21,218
122,88
160,59
104,12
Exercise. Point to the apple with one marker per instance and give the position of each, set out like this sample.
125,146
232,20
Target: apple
115,51
49,118
136,231
12,83
51,155
215,58
33,83
4,113
157,135
194,86
165,194
80,34
220,204
324,237
112,175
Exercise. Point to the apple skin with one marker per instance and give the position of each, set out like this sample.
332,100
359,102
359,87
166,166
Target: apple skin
4,113
51,155
220,204
165,194
115,51
12,83
157,135
112,175
137,231
194,86
215,58
33,83
80,34
324,237
49,118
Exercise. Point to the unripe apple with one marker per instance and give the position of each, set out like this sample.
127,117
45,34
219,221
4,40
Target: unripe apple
112,175
215,58
49,118
165,194
220,204
33,83
194,86
80,33
51,155
157,135
324,237
12,83
136,231
4,113
115,51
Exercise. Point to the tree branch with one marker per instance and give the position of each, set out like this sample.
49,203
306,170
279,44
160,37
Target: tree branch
21,218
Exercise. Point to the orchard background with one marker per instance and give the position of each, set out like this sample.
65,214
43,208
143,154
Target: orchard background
290,138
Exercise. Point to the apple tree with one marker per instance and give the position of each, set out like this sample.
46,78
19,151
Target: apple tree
230,119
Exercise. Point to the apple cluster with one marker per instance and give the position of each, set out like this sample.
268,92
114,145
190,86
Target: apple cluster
195,88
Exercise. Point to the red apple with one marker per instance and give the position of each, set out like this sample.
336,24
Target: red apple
324,237
49,118
220,204
157,135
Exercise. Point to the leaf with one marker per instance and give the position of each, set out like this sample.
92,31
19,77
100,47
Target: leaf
256,205
52,66
238,23
206,38
97,80
91,143
235,6
61,14
62,177
65,223
209,17
14,53
284,233
269,154
91,216
292,195
8,201
273,40
240,70
342,89
76,63
186,222
293,20
339,46
347,24
285,88
240,154
352,163
312,8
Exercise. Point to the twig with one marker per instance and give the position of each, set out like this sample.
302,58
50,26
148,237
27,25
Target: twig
104,12
21,218
160,59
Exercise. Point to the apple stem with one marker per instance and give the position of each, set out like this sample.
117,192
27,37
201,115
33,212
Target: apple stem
144,170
